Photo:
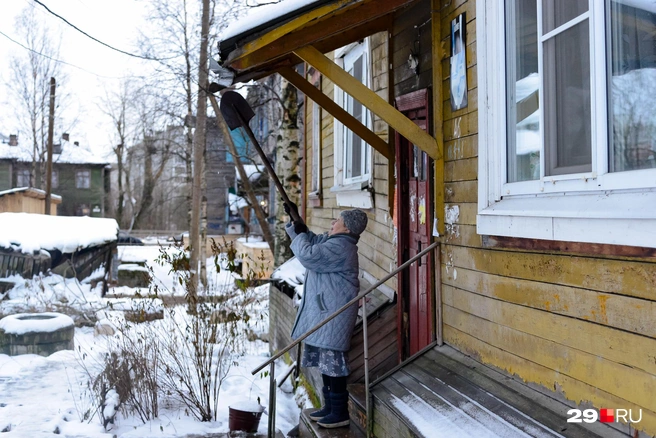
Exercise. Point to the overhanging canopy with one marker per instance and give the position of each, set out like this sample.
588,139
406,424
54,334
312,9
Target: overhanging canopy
304,35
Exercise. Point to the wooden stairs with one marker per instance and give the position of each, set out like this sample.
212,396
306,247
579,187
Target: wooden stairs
443,393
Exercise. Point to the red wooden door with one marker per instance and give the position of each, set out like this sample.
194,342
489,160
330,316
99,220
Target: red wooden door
414,172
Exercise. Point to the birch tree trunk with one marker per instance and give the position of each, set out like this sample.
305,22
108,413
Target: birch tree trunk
199,148
288,159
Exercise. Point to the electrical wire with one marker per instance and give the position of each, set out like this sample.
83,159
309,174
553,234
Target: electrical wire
64,62
95,39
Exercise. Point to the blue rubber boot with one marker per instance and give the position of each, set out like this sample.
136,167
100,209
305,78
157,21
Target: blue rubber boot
339,415
318,415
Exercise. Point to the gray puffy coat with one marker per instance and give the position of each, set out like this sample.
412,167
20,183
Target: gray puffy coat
331,281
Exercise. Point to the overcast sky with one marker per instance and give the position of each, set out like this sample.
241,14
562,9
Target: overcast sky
115,22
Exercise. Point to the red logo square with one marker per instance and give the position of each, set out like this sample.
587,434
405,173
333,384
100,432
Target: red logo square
607,415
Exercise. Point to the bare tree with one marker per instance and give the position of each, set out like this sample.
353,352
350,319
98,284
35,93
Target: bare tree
117,107
29,85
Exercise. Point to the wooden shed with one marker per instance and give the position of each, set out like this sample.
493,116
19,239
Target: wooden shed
27,200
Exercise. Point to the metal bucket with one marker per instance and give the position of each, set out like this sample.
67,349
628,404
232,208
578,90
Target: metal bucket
243,420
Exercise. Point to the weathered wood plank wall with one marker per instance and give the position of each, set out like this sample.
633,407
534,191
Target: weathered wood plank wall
580,324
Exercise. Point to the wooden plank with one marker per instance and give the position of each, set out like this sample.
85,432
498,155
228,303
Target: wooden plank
430,411
461,170
633,315
338,112
461,126
583,248
543,379
369,99
621,277
461,148
479,381
438,129
466,213
461,191
629,384
491,409
604,342
386,422
462,235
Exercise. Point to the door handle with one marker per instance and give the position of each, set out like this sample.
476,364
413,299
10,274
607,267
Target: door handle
418,251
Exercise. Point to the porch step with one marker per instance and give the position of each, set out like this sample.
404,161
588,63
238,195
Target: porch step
444,393
310,429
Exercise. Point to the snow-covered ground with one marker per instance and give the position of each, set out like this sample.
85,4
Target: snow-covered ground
43,396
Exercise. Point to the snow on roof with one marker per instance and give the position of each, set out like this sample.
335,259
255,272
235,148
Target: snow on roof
291,272
70,154
47,322
261,15
29,189
252,171
33,232
236,203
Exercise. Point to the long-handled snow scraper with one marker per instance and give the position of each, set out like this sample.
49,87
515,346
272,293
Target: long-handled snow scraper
237,112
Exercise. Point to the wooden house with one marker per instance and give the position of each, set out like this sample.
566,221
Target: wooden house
521,137
27,200
78,176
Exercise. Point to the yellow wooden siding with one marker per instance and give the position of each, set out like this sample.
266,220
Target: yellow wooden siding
581,325
376,247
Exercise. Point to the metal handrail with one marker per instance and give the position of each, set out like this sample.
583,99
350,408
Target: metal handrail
333,316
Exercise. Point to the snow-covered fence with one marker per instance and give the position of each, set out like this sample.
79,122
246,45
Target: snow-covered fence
27,265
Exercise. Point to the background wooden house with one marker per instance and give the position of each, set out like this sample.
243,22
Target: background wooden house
541,188
78,176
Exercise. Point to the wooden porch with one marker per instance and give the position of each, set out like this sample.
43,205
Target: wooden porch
444,393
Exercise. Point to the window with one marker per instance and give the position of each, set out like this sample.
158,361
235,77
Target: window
352,154
568,145
54,180
83,179
22,178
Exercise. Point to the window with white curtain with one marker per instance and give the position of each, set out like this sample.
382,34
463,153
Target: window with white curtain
354,154
568,144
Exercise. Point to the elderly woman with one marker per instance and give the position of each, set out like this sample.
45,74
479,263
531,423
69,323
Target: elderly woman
331,260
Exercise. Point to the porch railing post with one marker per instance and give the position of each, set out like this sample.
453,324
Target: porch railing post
365,340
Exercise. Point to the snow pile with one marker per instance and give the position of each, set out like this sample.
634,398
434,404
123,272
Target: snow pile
35,322
252,172
33,232
236,203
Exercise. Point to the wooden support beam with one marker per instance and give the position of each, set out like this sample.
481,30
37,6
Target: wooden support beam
337,111
370,99
351,16
438,184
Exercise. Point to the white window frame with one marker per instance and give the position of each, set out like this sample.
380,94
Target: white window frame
21,176
84,177
598,206
352,192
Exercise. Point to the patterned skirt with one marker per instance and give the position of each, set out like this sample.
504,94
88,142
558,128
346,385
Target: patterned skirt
330,362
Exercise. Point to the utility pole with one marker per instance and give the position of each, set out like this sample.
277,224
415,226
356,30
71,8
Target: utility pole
199,148
51,123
